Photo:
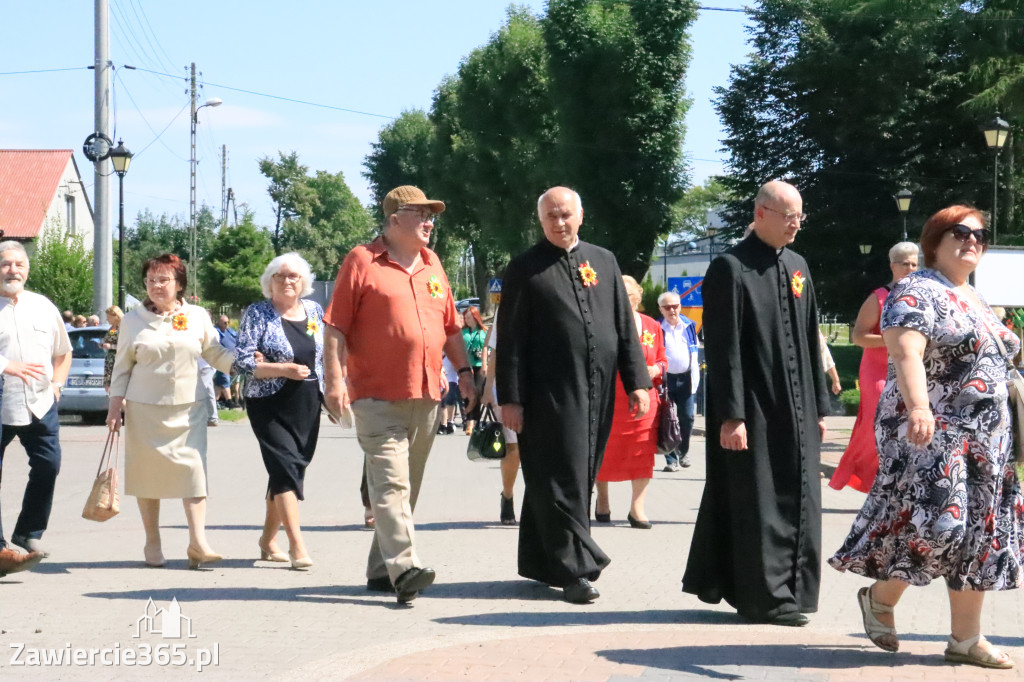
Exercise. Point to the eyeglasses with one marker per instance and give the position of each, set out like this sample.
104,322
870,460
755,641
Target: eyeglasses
158,281
671,306
790,217
425,215
289,277
962,233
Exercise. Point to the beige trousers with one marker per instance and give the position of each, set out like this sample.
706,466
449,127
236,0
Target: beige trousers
396,437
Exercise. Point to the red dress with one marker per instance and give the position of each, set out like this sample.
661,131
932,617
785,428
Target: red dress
859,463
629,455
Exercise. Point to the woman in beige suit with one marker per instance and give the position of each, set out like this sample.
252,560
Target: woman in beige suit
156,387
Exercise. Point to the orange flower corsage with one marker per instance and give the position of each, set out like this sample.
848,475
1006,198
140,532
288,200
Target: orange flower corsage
434,287
179,322
798,283
588,275
647,339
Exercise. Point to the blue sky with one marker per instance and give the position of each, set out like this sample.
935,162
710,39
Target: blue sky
379,57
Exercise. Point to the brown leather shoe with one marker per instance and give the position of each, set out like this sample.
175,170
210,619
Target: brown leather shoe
13,562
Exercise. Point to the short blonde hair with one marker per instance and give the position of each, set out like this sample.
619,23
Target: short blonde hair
297,262
115,312
632,286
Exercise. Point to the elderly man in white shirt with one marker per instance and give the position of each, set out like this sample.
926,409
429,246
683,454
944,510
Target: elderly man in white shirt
683,374
36,349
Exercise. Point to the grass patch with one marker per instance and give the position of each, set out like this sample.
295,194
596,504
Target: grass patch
847,360
231,415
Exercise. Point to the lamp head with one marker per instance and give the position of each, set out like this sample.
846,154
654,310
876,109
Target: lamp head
120,157
865,249
903,198
996,131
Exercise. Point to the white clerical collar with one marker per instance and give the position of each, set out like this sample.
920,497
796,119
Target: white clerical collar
574,245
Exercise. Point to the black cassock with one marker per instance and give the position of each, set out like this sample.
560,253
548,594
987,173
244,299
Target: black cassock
757,541
560,343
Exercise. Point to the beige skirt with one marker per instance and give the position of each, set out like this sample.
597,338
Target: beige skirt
165,450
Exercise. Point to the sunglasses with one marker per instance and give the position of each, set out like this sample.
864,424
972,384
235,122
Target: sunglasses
962,233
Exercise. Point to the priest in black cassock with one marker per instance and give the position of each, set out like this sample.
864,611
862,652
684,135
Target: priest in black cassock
565,327
757,541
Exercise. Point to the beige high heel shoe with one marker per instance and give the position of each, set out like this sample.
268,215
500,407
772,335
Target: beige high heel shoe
196,557
267,555
154,559
302,564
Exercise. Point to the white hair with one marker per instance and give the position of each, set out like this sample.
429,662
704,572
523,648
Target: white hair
575,195
666,296
11,245
901,251
297,262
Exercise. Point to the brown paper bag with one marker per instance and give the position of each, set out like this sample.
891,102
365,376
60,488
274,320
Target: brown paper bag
103,503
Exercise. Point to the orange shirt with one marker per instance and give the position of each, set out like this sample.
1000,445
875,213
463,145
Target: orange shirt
395,324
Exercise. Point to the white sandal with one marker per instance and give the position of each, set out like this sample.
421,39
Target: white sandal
877,632
960,652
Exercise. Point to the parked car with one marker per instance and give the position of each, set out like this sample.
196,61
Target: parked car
84,393
466,303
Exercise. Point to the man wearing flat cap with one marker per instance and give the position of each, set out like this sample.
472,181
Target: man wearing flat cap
390,318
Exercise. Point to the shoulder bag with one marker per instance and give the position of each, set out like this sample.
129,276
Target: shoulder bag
488,438
103,503
670,435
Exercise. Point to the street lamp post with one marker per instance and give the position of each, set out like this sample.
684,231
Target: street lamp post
996,131
192,249
903,198
120,157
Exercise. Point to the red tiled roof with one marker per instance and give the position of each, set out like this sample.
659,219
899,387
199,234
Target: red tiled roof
29,179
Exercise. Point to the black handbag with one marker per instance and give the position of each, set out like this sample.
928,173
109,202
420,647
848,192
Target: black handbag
670,435
488,438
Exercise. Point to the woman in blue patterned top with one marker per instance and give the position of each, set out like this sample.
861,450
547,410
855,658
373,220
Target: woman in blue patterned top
946,502
284,394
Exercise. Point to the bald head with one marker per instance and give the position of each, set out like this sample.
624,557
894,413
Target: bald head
778,212
561,213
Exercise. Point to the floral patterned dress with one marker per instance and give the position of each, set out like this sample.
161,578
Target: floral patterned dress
950,509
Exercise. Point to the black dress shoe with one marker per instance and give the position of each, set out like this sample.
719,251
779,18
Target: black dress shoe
412,581
603,518
508,511
793,619
636,523
580,591
380,585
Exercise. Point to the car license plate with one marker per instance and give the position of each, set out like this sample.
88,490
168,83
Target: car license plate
85,381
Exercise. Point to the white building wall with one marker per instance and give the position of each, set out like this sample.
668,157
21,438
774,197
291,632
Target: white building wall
70,188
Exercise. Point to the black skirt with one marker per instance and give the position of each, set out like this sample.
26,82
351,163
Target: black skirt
287,423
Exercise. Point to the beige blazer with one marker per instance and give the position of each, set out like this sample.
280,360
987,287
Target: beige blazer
157,356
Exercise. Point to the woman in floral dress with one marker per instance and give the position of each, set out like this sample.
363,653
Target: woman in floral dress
946,500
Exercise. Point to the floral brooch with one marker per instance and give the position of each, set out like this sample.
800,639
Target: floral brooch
434,287
311,327
179,322
647,339
588,275
798,283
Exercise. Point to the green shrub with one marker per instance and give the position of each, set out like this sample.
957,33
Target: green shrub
850,400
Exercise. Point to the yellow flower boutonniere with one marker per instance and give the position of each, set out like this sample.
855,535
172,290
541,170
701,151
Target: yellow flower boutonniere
647,339
798,283
311,327
179,322
588,275
434,287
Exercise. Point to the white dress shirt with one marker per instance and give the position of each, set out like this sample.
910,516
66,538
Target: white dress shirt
31,330
681,356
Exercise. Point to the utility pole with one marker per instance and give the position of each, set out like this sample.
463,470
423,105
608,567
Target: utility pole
102,269
192,264
223,185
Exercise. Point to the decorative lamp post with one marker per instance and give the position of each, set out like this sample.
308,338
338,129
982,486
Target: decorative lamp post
903,198
120,157
865,249
996,132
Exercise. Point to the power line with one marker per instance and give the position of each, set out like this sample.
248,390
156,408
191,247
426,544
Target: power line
70,68
160,134
142,9
117,78
145,34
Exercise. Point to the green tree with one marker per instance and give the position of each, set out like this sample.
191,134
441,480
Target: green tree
61,269
617,72
152,236
232,267
401,156
286,190
330,223
689,214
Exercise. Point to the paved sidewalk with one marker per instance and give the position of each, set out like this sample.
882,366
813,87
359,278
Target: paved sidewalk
480,621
